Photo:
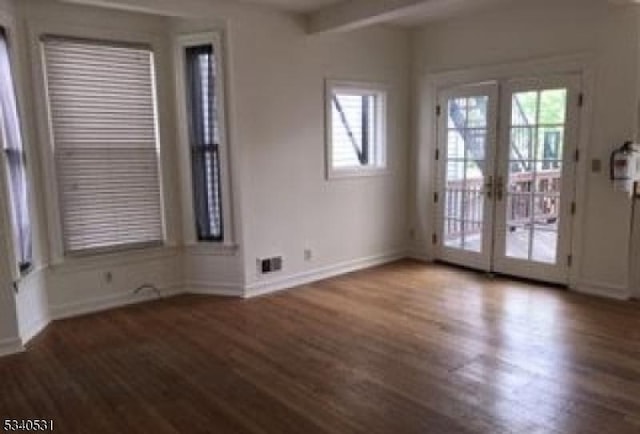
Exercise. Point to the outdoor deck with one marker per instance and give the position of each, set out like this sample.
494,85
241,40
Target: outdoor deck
532,215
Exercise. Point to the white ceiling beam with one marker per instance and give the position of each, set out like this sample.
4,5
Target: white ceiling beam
353,14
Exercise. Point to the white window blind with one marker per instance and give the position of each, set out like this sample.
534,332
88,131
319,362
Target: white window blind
103,119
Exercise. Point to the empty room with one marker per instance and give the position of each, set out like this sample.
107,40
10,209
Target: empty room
320,216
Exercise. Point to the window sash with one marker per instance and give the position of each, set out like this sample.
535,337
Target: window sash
12,144
356,134
103,120
204,134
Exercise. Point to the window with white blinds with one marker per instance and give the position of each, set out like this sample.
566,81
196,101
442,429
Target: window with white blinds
103,119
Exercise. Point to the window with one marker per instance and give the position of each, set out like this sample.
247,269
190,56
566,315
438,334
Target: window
103,119
205,135
356,128
11,139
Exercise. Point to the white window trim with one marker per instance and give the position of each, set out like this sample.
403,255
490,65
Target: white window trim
227,245
37,30
381,90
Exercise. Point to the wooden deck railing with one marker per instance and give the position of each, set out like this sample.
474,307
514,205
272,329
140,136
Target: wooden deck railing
464,201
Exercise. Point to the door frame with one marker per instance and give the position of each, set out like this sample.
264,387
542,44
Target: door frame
426,138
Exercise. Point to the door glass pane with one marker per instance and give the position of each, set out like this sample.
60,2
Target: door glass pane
455,174
553,106
524,108
477,115
452,231
518,225
455,145
457,113
545,246
473,238
475,143
545,227
453,204
520,176
465,173
548,178
535,174
518,241
550,143
522,143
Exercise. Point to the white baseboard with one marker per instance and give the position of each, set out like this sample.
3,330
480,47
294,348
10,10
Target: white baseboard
110,302
599,289
10,346
33,305
286,282
215,288
34,328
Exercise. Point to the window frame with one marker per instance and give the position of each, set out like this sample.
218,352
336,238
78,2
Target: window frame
18,271
37,31
215,38
363,88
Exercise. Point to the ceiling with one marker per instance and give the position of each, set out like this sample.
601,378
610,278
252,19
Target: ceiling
332,15
302,6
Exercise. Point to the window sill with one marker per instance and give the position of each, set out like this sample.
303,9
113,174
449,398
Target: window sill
337,174
212,249
26,269
90,260
29,273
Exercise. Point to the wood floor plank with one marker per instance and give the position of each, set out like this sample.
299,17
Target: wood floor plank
402,348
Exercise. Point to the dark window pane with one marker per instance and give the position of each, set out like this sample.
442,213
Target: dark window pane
205,137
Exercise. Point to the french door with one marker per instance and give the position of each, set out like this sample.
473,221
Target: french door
506,171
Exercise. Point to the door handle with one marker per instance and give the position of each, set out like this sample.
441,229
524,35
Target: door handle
488,187
499,188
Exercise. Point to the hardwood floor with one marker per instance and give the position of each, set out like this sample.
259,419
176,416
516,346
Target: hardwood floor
404,348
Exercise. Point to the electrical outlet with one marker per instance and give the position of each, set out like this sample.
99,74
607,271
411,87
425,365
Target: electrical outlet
308,254
269,265
276,263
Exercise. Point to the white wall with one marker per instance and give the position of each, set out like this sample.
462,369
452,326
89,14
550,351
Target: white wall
275,83
538,30
288,205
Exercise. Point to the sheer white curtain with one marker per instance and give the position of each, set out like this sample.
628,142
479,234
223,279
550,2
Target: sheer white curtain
12,146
